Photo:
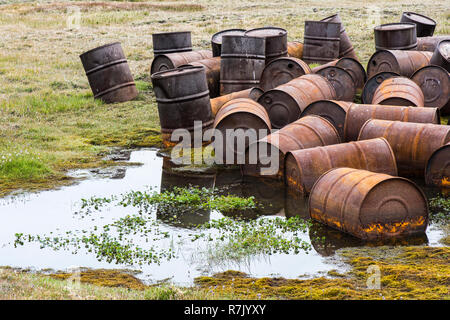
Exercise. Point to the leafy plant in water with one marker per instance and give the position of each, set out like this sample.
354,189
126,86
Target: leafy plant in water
439,210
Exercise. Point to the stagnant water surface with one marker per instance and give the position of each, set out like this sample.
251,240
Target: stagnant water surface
54,211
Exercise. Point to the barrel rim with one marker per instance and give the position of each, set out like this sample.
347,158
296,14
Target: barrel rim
410,25
433,22
213,37
178,71
283,32
427,167
101,47
331,17
321,22
218,119
375,54
171,32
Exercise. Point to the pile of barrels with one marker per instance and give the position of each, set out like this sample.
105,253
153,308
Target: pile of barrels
351,159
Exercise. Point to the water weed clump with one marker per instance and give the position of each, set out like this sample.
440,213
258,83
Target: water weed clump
439,210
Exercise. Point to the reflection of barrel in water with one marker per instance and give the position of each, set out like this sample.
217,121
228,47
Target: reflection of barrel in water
296,205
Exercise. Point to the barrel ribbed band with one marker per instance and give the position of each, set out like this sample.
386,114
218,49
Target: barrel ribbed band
183,98
106,65
117,87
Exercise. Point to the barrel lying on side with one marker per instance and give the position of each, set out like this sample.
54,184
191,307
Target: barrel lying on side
368,205
403,62
174,60
437,171
295,49
345,45
399,91
342,82
218,102
281,71
170,42
424,25
332,63
321,41
430,43
304,167
413,143
373,83
396,36
212,69
356,70
276,41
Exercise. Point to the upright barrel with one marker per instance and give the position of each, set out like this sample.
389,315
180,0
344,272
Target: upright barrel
345,45
373,83
399,92
218,102
369,205
403,62
170,42
295,49
281,71
169,61
321,41
424,25
108,73
216,39
212,69
437,171
276,41
441,55
413,143
395,36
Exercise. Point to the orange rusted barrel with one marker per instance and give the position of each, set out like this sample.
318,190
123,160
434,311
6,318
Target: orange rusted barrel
302,168
403,62
169,61
218,102
368,205
268,152
342,82
437,171
358,114
356,70
399,91
285,103
413,143
212,69
281,71
295,49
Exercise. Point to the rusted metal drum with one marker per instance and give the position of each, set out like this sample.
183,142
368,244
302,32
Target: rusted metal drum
398,91
345,45
334,111
212,69
369,205
252,93
242,62
437,171
304,167
295,49
174,60
108,73
281,71
247,118
332,63
358,114
413,143
441,56
434,81
356,70
276,41
285,103
216,39
183,97
170,42
429,43
424,25
373,83
403,62
395,36
268,153
321,43
342,82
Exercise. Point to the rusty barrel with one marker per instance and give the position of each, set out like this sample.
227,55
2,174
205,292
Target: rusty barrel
108,73
285,103
434,81
266,157
295,49
332,63
216,39
437,171
276,41
358,114
321,41
373,83
239,119
281,71
342,82
413,143
212,69
368,205
174,60
429,43
403,62
242,62
399,91
183,97
304,167
170,42
356,70
345,45
441,55
252,93
424,25
395,36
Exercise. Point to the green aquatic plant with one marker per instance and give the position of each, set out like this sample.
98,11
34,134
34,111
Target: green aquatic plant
439,210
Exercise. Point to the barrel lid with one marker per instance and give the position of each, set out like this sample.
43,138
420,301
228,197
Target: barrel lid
395,26
444,49
170,33
99,48
217,37
419,18
266,32
434,82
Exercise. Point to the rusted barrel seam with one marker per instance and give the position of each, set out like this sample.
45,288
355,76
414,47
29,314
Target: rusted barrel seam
126,84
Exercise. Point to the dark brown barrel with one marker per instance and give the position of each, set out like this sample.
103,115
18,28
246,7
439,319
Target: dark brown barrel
424,25
413,143
170,42
345,45
108,73
342,82
368,205
403,62
398,91
276,41
356,70
373,83
437,172
216,39
304,167
212,69
434,81
285,103
281,71
334,111
183,97
239,114
252,93
441,55
395,36
358,114
307,132
295,49
242,62
429,43
174,60
321,43
332,63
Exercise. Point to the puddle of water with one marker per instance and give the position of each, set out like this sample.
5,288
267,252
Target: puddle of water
53,211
